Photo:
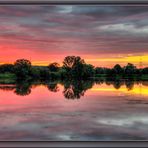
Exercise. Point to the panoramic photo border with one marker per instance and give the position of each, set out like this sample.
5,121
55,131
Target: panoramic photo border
129,143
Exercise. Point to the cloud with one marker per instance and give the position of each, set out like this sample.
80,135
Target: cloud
125,29
75,29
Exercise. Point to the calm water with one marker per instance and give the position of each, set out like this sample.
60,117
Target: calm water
74,111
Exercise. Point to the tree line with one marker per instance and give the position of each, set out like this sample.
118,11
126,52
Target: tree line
74,67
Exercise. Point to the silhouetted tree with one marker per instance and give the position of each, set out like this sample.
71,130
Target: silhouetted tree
44,74
144,70
63,73
77,71
99,70
88,71
76,68
118,69
71,61
108,72
7,68
22,68
54,67
129,69
35,73
73,68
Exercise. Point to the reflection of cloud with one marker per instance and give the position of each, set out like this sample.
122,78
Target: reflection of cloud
64,137
128,121
49,116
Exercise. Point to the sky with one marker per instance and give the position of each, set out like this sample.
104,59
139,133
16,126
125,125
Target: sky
102,35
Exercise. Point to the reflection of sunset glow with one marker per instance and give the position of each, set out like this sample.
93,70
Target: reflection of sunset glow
142,90
137,90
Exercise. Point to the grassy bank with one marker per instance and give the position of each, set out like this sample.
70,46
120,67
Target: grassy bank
144,77
7,78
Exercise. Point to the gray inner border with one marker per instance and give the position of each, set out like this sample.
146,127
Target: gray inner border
106,144
65,144
75,2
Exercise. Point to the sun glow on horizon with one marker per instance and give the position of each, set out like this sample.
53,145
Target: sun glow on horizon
136,60
100,62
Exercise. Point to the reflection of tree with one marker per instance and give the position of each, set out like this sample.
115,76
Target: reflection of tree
23,89
7,87
73,92
108,82
129,85
73,89
99,81
145,83
53,87
117,84
76,89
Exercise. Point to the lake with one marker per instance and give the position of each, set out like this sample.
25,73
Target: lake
74,111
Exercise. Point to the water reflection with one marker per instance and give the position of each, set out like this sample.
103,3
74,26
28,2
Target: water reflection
53,87
23,88
107,110
75,89
7,87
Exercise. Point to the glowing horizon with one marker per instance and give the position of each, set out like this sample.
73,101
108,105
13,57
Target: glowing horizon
98,62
